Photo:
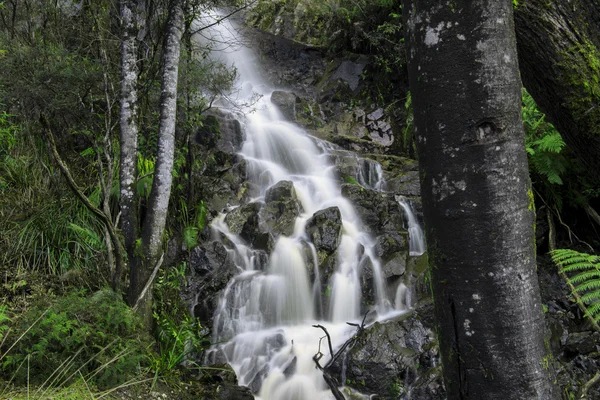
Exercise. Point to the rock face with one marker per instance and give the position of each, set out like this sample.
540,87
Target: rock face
393,358
281,209
220,383
325,229
286,103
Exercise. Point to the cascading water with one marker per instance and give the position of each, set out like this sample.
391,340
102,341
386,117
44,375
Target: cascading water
263,324
415,233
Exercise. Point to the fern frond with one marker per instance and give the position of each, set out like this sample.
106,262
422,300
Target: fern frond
588,286
594,311
585,283
591,297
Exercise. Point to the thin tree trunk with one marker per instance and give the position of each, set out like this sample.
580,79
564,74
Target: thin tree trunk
559,55
477,201
158,204
129,125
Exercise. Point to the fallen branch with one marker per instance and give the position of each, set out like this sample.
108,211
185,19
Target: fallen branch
331,381
148,283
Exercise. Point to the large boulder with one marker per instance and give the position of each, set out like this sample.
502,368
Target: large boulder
220,383
221,130
244,221
211,269
389,359
325,229
286,103
281,209
379,212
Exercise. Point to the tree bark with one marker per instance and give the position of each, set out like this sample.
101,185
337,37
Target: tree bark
559,55
158,203
129,125
477,200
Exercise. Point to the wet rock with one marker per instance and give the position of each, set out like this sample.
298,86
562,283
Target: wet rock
244,221
220,383
350,71
227,392
281,191
406,184
396,266
387,245
286,103
390,357
379,212
582,342
212,269
375,115
221,130
325,229
281,209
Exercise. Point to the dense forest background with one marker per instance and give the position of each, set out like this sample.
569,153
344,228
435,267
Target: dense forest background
67,324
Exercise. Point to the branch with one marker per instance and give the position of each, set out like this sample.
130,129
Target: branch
149,283
331,382
328,338
217,22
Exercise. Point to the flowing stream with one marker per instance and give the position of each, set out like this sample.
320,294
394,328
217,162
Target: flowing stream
263,324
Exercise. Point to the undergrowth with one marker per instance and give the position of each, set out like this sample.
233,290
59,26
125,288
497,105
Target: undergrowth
179,335
96,338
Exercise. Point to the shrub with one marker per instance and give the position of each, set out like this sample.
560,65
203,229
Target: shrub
98,337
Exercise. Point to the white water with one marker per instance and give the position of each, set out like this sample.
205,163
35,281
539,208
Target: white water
415,233
263,324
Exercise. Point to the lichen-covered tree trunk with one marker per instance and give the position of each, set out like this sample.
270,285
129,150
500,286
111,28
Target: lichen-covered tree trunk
559,56
129,126
477,200
158,203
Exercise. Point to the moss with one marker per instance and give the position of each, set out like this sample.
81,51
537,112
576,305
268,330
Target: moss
581,69
531,205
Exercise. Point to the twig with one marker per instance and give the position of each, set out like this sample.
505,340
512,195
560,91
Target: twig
217,22
149,283
328,338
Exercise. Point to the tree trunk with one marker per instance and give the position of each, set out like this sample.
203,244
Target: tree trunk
129,125
477,200
559,55
158,204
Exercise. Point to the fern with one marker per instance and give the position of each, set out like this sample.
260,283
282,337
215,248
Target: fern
582,272
543,143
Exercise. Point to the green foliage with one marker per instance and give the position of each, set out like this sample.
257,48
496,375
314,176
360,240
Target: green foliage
146,176
543,143
178,333
193,223
96,336
4,319
8,131
583,272
351,180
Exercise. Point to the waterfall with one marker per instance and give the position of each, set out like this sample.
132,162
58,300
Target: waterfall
415,233
263,323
